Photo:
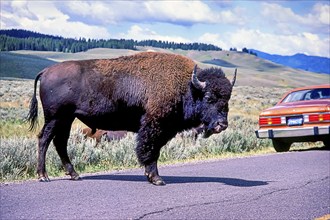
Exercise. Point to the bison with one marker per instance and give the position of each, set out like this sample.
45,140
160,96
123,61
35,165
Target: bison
153,94
108,135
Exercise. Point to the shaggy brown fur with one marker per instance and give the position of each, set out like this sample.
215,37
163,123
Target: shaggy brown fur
162,77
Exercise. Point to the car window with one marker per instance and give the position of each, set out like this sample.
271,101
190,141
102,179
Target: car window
309,94
325,93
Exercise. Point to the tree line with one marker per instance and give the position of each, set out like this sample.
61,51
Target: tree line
245,50
11,40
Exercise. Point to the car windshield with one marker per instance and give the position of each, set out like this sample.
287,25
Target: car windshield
309,94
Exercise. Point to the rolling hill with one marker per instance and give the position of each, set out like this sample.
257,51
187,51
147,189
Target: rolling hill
252,70
22,65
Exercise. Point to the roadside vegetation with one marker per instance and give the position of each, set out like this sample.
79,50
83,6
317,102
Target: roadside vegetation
18,157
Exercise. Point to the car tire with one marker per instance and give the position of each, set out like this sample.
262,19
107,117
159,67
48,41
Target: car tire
280,145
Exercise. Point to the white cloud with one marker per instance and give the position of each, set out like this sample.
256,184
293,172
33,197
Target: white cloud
94,12
44,17
138,33
236,16
180,11
184,13
284,20
21,9
307,43
215,39
321,13
278,13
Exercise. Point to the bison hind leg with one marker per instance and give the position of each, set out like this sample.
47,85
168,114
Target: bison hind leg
61,142
45,136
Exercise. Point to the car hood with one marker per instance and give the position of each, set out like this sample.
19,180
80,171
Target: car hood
298,107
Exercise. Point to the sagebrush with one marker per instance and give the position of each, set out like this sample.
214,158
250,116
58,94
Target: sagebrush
18,156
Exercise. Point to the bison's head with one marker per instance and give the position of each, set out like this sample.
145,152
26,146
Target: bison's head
212,94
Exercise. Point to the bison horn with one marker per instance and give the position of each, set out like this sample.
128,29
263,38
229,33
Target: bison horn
197,84
234,79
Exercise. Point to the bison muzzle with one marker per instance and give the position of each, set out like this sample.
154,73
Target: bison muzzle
153,94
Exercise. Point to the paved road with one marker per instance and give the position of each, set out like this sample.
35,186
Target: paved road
276,186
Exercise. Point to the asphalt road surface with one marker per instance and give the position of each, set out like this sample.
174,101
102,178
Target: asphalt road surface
294,185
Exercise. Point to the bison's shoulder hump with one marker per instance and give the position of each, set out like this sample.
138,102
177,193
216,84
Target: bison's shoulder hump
156,57
147,63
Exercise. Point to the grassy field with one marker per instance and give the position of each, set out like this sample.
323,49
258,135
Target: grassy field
257,89
24,66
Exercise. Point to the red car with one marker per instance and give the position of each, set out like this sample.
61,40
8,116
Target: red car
302,115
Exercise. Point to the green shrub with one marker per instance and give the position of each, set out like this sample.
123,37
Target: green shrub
18,158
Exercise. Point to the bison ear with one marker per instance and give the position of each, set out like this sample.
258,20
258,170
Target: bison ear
234,78
197,84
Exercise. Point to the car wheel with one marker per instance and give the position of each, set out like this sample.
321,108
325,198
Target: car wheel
280,145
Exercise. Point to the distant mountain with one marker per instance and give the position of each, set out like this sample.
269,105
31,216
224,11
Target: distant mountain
299,61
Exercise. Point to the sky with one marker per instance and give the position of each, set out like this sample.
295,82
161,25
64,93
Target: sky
283,27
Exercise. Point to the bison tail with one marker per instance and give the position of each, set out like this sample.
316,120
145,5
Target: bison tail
33,112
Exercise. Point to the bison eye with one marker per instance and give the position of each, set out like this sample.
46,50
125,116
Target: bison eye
208,97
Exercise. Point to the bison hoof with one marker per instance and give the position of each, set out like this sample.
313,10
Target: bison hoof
155,179
44,179
75,177
159,182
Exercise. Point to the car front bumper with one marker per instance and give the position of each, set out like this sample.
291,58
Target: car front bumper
293,132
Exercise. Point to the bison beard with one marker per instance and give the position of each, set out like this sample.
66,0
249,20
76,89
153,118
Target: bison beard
156,95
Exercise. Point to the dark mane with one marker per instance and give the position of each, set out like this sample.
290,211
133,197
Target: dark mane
216,80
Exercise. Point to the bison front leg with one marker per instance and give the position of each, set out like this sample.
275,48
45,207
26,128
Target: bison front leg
148,156
151,138
151,171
